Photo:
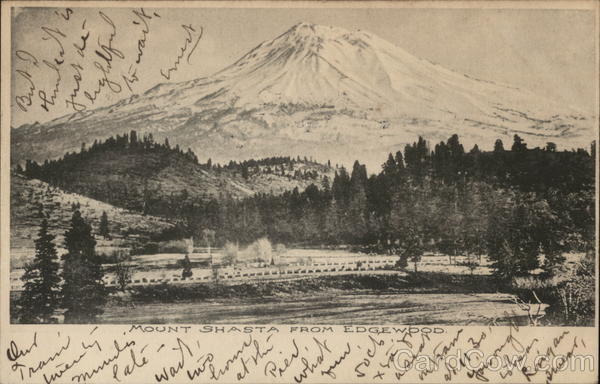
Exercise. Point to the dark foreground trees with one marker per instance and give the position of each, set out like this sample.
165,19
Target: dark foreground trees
83,291
41,296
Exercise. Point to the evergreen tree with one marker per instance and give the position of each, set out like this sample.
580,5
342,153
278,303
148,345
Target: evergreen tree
475,150
497,235
411,246
41,294
341,187
83,291
549,231
455,148
325,184
389,167
331,225
498,146
550,147
357,218
133,139
416,157
476,221
186,265
518,144
399,161
104,231
512,236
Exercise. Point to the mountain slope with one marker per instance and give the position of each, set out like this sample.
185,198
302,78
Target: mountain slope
153,178
318,91
32,200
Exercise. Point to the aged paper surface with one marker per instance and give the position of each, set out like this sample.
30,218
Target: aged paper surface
299,192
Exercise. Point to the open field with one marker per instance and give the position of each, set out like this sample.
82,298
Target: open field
391,298
311,287
33,200
296,263
329,308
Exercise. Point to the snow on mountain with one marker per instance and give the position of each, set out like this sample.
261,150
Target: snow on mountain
320,91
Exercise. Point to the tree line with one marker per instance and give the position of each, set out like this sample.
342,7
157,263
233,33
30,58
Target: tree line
53,171
522,207
125,171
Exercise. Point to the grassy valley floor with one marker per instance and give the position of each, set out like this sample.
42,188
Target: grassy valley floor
422,298
323,308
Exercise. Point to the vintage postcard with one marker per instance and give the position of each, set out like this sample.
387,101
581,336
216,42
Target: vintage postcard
299,192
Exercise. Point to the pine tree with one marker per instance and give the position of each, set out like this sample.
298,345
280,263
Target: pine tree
341,187
550,147
186,264
41,296
332,223
357,218
518,144
511,236
325,184
389,167
498,146
399,161
104,231
133,141
83,291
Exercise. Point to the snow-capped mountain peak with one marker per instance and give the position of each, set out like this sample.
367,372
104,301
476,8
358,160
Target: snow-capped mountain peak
322,91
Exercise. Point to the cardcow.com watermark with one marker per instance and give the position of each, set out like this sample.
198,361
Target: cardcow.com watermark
477,360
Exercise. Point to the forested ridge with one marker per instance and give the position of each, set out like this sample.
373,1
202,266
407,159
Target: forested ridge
140,174
522,207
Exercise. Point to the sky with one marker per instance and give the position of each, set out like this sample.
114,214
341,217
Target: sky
550,52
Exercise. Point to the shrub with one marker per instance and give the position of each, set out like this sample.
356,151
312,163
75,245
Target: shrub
260,250
535,283
113,257
574,299
570,297
150,248
172,246
280,250
230,253
124,272
575,302
186,265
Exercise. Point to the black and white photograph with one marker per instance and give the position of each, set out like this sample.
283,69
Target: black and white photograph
302,165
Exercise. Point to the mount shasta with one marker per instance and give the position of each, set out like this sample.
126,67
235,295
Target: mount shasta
319,91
